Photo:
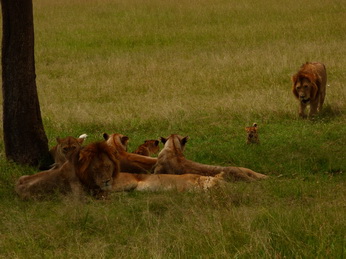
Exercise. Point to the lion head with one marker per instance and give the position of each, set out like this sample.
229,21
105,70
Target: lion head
252,134
117,140
174,141
97,166
148,147
64,149
305,85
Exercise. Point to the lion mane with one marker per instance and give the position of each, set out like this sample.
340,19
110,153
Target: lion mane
171,160
309,87
91,169
129,162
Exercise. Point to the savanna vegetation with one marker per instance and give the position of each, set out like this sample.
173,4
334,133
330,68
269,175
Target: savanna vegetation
205,69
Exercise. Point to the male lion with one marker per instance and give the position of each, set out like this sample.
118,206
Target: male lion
149,147
252,134
309,87
90,169
129,162
171,160
164,182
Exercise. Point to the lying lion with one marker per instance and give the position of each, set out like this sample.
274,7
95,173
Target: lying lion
164,182
309,87
148,148
91,169
65,147
129,162
171,160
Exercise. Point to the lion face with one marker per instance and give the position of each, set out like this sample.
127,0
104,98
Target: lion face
98,166
101,171
252,134
117,140
152,145
65,147
303,90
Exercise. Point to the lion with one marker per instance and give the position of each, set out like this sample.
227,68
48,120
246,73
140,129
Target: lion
89,170
309,87
165,182
171,160
252,134
64,147
148,148
129,162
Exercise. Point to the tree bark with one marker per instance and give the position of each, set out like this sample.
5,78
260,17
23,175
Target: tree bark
24,136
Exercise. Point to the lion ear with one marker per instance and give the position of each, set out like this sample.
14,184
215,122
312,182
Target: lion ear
124,140
58,139
184,140
80,140
156,142
163,140
105,136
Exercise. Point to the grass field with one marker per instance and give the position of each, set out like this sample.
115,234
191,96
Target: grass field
205,69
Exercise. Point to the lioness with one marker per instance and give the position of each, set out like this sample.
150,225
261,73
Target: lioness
171,160
309,87
164,182
90,169
148,148
129,162
65,147
252,134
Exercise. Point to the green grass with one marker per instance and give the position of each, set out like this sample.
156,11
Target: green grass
205,69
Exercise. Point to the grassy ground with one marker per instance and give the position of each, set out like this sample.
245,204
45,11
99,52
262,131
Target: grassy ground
205,69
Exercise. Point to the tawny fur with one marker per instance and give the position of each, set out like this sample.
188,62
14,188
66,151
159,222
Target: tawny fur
164,182
309,87
129,162
65,147
171,160
90,169
252,134
148,148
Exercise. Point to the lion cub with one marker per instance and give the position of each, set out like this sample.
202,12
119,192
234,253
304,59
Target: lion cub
148,148
252,134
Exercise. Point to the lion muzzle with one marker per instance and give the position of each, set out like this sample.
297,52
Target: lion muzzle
106,184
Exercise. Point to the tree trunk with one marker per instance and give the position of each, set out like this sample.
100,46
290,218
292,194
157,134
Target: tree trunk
24,136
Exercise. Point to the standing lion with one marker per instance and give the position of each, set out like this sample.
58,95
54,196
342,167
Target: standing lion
309,86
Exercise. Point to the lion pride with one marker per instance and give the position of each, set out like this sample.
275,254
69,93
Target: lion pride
129,162
309,87
91,169
171,160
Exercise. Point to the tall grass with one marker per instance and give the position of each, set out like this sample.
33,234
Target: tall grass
200,68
